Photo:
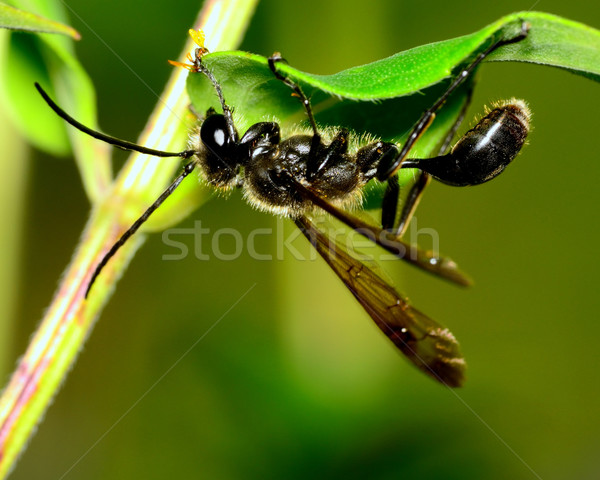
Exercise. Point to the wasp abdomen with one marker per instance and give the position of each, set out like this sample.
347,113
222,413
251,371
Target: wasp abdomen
485,150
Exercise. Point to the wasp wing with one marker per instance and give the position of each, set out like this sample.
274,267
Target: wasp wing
428,345
426,260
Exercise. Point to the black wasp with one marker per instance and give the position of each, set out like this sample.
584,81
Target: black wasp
304,174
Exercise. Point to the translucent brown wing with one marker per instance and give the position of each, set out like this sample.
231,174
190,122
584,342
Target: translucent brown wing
428,345
426,260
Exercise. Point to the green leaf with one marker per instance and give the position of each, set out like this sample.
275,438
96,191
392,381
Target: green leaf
557,42
250,87
385,98
15,19
26,58
551,41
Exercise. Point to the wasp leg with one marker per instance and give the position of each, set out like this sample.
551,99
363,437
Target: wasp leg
273,60
138,223
385,171
397,221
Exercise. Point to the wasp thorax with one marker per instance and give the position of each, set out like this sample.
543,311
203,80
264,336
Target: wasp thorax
271,175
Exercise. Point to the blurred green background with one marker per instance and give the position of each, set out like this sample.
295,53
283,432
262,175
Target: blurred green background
295,381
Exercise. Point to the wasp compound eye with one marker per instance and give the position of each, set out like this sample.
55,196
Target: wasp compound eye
214,136
221,159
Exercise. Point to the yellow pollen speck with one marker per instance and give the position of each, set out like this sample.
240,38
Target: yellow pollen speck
198,37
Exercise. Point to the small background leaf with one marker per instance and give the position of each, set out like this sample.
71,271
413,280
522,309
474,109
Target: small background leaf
22,61
49,59
15,19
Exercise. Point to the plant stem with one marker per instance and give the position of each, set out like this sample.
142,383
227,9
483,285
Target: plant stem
70,317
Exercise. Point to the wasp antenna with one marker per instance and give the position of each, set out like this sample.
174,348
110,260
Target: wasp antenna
199,67
138,223
196,66
117,142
